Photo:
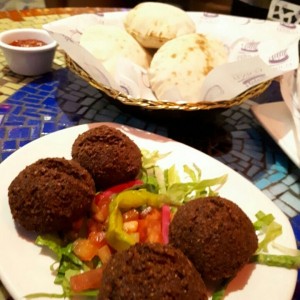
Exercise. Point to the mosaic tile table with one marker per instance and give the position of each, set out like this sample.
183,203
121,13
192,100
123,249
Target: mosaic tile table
33,107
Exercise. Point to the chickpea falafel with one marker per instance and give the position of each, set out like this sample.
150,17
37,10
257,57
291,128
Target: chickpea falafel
108,154
51,193
151,271
215,234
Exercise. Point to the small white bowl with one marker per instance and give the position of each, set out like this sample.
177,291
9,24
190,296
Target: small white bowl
28,61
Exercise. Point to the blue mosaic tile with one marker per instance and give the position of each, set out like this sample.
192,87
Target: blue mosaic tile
19,132
291,200
17,110
253,153
47,88
295,222
82,110
2,133
50,101
15,119
296,188
278,189
262,183
286,209
29,89
289,180
9,145
71,107
33,122
88,101
24,142
277,177
18,95
240,155
12,123
35,132
53,112
90,114
281,162
70,97
30,113
6,154
42,93
244,165
252,171
49,127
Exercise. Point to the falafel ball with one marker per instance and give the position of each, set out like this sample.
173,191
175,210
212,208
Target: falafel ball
151,271
48,195
109,155
215,234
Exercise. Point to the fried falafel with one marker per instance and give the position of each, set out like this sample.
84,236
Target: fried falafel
109,155
48,195
215,234
151,271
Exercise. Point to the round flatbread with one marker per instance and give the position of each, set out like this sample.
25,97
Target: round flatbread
153,23
180,66
109,43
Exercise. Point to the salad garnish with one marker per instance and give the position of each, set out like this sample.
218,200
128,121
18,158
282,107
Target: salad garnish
141,211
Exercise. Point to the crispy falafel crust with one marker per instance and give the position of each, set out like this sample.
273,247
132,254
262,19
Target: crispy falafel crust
151,271
215,234
48,195
108,154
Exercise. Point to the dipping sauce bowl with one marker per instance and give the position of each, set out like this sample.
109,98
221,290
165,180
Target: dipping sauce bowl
28,51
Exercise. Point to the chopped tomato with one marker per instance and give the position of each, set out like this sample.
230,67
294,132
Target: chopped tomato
97,238
87,280
150,227
85,249
101,202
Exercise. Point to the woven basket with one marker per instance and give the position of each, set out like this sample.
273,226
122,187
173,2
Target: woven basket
165,105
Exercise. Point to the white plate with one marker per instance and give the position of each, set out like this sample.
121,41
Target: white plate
276,118
24,268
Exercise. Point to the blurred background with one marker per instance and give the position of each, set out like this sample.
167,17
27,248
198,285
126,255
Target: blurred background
246,8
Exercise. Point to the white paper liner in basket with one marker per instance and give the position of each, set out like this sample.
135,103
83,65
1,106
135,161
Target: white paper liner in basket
259,51
166,105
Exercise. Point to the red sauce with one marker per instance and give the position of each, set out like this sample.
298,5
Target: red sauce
27,43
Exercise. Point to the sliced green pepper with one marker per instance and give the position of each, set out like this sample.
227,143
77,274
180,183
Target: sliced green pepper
115,235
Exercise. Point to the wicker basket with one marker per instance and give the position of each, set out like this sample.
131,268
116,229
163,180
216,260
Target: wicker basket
165,105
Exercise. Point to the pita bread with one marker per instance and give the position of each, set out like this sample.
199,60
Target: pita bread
153,23
182,64
108,43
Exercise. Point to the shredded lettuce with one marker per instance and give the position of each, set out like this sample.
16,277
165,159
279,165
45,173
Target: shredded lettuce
150,158
268,228
181,190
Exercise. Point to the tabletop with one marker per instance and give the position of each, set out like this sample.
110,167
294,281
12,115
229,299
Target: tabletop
31,107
